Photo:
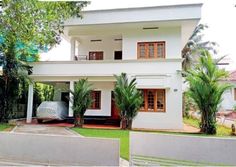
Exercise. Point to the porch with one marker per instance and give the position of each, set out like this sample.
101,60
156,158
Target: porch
102,111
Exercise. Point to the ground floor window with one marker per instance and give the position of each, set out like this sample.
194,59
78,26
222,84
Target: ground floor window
96,97
153,100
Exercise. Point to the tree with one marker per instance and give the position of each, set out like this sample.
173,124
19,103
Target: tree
81,98
128,99
206,90
192,50
26,28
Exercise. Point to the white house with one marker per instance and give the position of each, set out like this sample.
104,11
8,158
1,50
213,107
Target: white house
144,42
229,96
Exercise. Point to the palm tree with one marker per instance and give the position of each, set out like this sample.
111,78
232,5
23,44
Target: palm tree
128,99
206,90
195,44
81,98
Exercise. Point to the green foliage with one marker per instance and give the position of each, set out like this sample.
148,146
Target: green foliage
189,105
234,108
4,126
206,90
35,23
81,98
127,98
27,27
221,130
45,91
192,50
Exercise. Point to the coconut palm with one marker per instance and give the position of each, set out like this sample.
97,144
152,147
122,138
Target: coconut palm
128,99
192,50
81,98
206,90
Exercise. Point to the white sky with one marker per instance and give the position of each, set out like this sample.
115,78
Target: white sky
219,15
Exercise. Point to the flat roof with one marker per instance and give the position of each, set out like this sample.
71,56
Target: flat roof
145,7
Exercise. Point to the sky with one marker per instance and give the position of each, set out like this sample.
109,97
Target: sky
219,15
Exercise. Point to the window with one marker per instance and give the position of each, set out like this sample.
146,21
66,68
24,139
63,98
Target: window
153,100
95,55
96,98
149,50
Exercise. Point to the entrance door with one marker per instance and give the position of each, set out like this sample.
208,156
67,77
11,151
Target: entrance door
65,97
114,110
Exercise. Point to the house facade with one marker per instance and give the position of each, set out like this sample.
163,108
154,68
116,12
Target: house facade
144,42
229,96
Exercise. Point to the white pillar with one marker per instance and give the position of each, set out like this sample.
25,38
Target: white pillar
71,112
72,49
30,103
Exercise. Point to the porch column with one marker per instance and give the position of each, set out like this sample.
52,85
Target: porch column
30,103
72,50
71,112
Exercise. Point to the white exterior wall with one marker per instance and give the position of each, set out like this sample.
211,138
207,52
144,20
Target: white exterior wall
172,37
172,118
107,45
156,13
105,88
58,89
228,102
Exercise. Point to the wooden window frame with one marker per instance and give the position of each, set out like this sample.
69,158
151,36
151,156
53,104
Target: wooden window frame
96,52
145,109
93,105
146,45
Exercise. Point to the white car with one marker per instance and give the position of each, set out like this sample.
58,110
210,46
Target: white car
52,110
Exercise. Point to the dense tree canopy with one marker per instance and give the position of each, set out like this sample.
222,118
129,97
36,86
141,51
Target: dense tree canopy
31,24
26,28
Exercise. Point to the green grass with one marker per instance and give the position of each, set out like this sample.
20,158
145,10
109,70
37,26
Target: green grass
4,126
192,122
123,135
221,130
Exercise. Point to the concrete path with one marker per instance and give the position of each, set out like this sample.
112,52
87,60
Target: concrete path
43,129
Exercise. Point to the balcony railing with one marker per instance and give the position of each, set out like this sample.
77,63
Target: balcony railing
81,57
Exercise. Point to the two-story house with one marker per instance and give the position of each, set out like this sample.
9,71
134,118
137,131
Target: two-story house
144,42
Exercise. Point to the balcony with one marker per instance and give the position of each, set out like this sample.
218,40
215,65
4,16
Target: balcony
97,69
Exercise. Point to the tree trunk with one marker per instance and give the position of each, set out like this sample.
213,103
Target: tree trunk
123,123
208,122
130,124
79,121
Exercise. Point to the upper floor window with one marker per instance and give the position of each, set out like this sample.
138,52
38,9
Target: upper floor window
95,55
149,50
153,100
96,98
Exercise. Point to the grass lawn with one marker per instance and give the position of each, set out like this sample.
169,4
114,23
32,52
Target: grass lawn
221,130
123,135
4,126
